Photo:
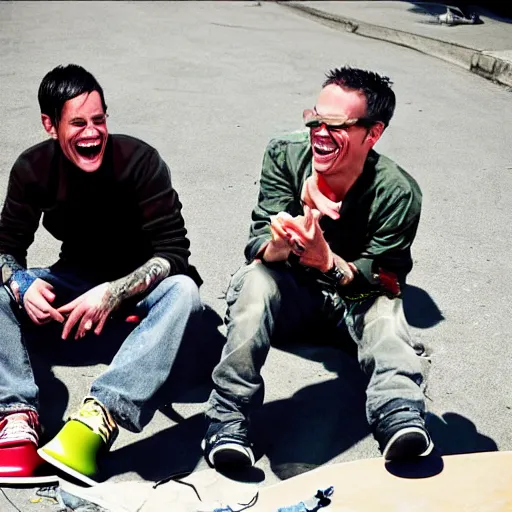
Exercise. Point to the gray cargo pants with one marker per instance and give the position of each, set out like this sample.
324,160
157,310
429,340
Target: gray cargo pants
266,301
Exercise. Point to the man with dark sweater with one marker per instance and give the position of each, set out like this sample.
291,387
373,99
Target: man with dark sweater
329,246
124,256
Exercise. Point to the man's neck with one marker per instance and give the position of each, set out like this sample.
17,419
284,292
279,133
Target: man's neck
340,183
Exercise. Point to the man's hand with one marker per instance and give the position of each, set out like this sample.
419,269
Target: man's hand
313,249
317,195
37,303
91,309
279,248
311,246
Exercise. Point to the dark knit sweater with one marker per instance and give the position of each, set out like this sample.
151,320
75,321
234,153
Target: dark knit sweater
109,222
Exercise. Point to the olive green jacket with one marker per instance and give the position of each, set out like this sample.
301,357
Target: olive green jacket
378,218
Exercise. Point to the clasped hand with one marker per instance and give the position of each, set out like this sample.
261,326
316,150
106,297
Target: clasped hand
90,310
303,236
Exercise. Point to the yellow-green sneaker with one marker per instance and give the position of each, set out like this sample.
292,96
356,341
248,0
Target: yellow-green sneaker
75,448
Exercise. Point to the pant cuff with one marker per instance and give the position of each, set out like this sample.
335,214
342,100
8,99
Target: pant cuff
222,407
125,413
396,406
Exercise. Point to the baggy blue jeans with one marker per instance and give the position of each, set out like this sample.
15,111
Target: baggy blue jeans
266,301
141,366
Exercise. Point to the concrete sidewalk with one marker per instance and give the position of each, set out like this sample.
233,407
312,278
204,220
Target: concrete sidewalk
485,49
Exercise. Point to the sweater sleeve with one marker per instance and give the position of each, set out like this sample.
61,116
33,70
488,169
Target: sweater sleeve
160,208
20,215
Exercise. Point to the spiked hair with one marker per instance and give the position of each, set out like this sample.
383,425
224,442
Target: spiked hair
380,98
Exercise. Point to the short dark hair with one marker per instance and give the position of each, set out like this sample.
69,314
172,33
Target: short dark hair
64,83
380,98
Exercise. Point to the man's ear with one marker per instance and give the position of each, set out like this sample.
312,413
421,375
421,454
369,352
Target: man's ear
48,126
374,133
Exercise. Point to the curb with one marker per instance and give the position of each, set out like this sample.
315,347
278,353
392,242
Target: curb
492,67
480,62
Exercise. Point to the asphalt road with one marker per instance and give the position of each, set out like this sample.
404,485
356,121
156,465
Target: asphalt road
208,84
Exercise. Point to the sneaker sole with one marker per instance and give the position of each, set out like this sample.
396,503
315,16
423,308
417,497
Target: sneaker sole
230,455
66,469
26,480
408,443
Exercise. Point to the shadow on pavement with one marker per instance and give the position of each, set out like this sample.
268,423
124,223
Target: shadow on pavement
419,308
171,451
190,380
455,434
318,422
425,467
53,397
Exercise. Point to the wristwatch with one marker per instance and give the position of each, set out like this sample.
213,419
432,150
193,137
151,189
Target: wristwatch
335,274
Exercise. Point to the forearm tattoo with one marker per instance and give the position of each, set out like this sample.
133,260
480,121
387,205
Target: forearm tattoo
139,281
8,265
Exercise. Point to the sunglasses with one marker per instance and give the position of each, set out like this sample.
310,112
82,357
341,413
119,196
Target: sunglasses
312,119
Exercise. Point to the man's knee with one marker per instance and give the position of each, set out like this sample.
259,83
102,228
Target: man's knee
255,282
377,318
179,290
181,285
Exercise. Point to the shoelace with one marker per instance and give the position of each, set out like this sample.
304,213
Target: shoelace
18,427
96,417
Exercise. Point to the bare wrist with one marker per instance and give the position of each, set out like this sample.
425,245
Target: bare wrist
330,264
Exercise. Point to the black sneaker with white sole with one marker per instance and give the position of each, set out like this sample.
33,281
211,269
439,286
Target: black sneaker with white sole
226,445
408,443
403,436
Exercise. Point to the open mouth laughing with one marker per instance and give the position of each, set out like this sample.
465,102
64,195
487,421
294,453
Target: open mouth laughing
88,153
325,150
89,149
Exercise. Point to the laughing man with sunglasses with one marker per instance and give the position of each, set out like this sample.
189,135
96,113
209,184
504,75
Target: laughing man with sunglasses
329,247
